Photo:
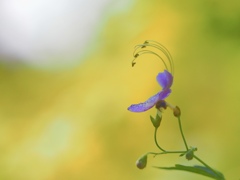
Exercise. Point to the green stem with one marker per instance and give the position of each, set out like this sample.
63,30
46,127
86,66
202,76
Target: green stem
164,151
180,126
201,161
155,139
177,152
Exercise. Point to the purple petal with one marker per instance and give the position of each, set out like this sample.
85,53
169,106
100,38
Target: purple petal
145,105
163,94
165,79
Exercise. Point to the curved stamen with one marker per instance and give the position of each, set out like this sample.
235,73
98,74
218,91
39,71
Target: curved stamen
153,44
159,46
151,52
166,52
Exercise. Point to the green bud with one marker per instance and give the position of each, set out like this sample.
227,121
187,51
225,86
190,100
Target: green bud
176,111
156,122
142,162
189,155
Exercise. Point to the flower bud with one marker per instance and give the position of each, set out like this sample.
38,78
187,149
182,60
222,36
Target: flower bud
176,111
156,122
189,155
164,104
142,162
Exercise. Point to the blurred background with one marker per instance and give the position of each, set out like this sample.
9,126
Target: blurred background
66,81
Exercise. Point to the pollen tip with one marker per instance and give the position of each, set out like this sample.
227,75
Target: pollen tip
136,55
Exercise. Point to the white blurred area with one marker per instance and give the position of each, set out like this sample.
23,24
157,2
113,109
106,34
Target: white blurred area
47,33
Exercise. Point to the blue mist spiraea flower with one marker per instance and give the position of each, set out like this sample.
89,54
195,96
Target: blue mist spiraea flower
165,80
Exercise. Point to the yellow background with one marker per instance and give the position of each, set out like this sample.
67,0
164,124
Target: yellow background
73,123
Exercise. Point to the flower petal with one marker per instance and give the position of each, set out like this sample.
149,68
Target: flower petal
145,105
141,107
165,79
165,93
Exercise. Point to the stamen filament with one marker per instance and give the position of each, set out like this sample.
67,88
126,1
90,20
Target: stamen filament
165,51
151,52
156,45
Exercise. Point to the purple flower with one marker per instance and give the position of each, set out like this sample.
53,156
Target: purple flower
165,79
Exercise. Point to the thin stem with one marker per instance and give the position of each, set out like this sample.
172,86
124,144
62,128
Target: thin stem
180,126
155,139
164,151
177,152
201,161
167,152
